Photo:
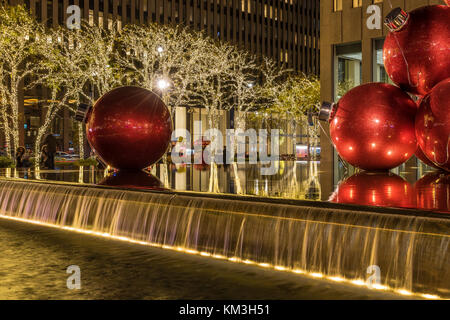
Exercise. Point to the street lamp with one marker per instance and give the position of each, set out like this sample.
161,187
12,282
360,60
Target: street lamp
162,84
160,49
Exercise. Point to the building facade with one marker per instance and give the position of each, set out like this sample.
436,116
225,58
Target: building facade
286,30
351,54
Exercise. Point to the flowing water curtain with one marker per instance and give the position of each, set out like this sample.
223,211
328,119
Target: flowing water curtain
410,249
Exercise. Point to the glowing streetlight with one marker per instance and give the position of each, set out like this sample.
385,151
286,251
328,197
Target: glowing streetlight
162,84
160,49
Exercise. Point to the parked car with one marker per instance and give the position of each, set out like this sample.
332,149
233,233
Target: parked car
62,156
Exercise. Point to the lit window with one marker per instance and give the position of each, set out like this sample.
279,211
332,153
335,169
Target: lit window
357,3
337,5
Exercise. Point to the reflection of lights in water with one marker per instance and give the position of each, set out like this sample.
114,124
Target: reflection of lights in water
404,292
316,275
357,282
379,287
280,268
337,279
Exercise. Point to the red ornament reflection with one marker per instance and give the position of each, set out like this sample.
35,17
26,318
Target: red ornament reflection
433,192
375,189
133,180
372,127
433,125
201,166
417,54
129,128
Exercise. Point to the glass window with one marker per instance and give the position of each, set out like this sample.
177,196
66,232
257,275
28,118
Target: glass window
357,3
347,74
348,71
337,5
379,73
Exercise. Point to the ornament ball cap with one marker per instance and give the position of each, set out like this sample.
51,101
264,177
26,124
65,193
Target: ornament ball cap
396,19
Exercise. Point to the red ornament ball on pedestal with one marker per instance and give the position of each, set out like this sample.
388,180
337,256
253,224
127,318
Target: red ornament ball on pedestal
372,127
129,128
417,50
433,125
375,189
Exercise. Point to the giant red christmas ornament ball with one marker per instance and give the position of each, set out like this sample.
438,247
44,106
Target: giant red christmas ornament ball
433,125
433,192
419,153
129,128
417,50
372,126
375,189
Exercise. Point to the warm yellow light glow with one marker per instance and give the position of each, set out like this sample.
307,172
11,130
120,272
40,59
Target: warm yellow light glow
316,275
298,271
404,292
264,265
280,268
358,282
430,296
337,279
163,84
379,287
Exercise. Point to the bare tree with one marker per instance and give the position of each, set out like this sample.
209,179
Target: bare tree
19,34
101,70
137,54
66,53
